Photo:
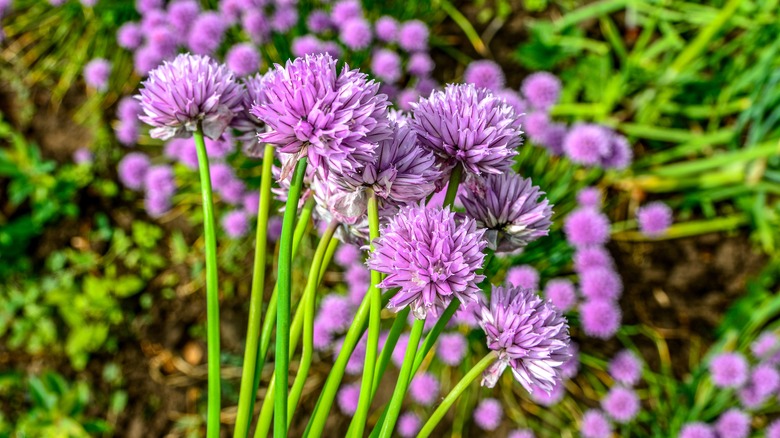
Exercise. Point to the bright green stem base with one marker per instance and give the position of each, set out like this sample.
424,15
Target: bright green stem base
284,279
452,187
464,383
212,289
246,398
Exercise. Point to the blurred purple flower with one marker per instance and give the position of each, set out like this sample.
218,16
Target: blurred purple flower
146,59
424,389
206,33
420,64
156,204
589,197
585,227
96,73
126,133
82,156
235,224
626,368
562,294
696,430
144,6
729,370
386,29
542,90
488,414
621,404
592,256
600,318
594,424
521,433
356,33
733,424
413,36
348,398
182,15
523,276
243,59
318,22
452,348
765,345
250,203
654,219
129,36
284,18
132,170
485,74
386,65
587,143
600,283
159,180
348,255
336,313
408,425
256,26
128,110
345,10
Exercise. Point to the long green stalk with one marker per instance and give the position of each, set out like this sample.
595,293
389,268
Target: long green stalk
464,383
246,395
452,187
374,322
284,279
212,288
433,335
309,299
394,408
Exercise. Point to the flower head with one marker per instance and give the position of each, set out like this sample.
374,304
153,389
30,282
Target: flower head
589,197
542,90
432,257
343,10
766,345
243,59
654,219
729,370
593,256
82,156
561,292
386,65
424,389
621,404
626,368
488,414
586,226
587,143
420,64
132,170
451,348
206,33
696,430
335,119
129,36
485,74
356,33
468,126
600,318
188,91
160,180
600,283
765,378
348,398
530,336
773,429
157,204
413,36
96,73
408,425
235,224
595,424
524,276
733,424
386,29
521,433
511,210
182,14
551,398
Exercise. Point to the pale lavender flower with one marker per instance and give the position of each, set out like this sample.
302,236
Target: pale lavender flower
600,283
356,33
174,106
386,65
589,197
233,192
513,99
206,33
157,205
530,336
468,126
182,14
284,18
600,318
243,59
750,397
766,345
336,313
431,257
348,255
587,144
452,348
594,424
256,26
765,378
274,228
221,175
319,21
521,433
485,74
554,137
733,424
523,276
335,119
132,170
306,45
571,367
322,339
357,278
96,73
773,429
235,224
536,125
729,370
621,404
562,294
400,349
696,430
128,110
407,98
413,36
163,41
654,219
386,29
542,90
585,227
159,180
468,314
408,425
129,36
592,256
345,10
420,64
488,414
619,155
424,389
251,203
146,59
626,368
510,208
145,6
348,398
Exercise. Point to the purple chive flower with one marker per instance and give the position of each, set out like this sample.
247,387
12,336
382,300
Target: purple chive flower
144,6
468,126
96,73
129,36
235,224
562,294
530,336
322,339
523,276
345,10
511,210
357,277
157,205
729,370
356,33
425,86
284,18
600,318
586,226
626,368
589,197
571,367
386,29
424,389
163,40
521,433
468,315
590,257
348,398
765,378
159,180
174,106
400,349
206,33
600,283
182,14
335,119
243,59
132,170
386,65
554,137
128,110
594,424
513,99
407,98
751,397
431,257
485,74
654,219
619,155
773,429
542,90
733,424
348,255
82,156
413,36
306,45
251,203
221,175
319,22
146,59
766,345
420,64
696,430
587,144
256,26
488,414
452,348
621,404
126,133
536,125
336,313
408,425
233,192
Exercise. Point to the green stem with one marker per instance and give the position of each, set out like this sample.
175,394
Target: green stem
284,279
433,335
270,313
212,288
309,299
246,397
394,408
464,383
374,322
452,186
